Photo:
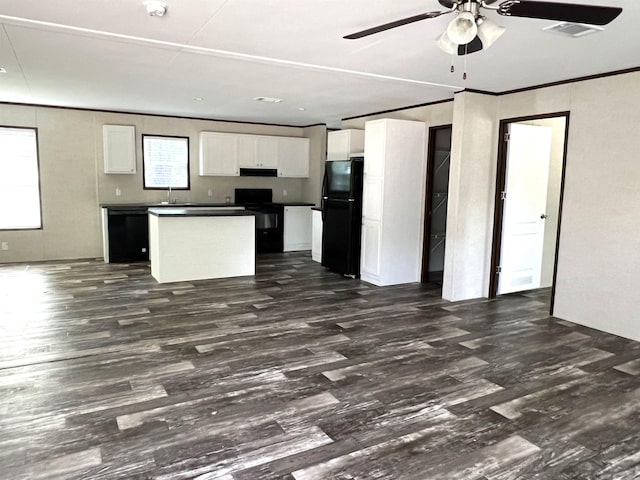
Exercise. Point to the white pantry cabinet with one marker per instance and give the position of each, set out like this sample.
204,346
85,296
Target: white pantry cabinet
293,157
119,143
218,154
297,228
342,143
394,179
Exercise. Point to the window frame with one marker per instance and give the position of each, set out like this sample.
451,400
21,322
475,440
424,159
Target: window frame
37,138
144,183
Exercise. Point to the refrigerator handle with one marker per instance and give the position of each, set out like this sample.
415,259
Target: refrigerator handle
323,208
323,200
325,180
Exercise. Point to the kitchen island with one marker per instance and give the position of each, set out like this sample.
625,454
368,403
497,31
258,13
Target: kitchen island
201,243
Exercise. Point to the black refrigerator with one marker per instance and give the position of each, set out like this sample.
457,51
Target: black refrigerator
342,216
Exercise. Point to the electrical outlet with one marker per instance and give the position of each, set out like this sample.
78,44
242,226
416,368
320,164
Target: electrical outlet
5,245
210,193
118,192
284,193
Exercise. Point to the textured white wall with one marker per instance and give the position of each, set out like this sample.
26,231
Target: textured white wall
471,197
598,281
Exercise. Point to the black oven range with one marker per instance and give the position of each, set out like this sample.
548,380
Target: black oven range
269,217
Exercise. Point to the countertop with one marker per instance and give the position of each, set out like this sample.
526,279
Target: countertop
167,205
194,205
198,212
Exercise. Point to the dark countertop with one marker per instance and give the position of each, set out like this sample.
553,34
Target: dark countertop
166,205
198,212
113,206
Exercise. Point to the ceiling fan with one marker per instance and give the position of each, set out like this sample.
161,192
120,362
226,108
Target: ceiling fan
470,31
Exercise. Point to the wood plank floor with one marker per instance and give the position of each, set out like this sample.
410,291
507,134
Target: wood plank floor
297,373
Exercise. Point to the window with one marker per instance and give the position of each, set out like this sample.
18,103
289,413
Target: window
165,162
19,179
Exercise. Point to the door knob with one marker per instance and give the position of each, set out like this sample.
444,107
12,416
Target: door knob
543,216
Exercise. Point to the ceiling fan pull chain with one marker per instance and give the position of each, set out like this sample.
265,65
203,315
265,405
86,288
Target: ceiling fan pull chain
453,57
464,74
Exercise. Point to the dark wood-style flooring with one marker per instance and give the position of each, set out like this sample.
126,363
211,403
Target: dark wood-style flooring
301,374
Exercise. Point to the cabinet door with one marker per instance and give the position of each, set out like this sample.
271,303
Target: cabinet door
293,158
218,154
267,152
119,142
247,151
375,148
342,143
370,257
297,228
372,198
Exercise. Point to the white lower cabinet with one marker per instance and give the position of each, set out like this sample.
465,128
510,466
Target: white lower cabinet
297,228
316,236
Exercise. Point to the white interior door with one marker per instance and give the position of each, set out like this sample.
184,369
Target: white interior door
524,213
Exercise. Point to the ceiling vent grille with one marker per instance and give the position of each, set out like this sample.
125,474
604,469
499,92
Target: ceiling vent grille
574,30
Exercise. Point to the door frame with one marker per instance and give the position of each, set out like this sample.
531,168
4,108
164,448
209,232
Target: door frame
426,240
499,203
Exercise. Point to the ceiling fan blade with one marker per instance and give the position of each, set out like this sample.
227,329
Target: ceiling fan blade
564,12
390,25
473,46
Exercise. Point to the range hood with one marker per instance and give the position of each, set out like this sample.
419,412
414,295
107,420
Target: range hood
258,172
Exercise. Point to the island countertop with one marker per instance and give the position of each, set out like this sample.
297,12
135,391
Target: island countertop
199,212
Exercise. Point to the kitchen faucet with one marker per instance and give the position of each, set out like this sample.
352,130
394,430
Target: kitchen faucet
169,199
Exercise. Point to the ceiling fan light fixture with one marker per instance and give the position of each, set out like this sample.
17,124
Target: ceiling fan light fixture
463,28
488,32
446,45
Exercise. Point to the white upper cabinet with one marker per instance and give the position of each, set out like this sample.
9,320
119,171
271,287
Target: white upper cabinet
293,157
257,151
119,142
342,143
223,154
218,154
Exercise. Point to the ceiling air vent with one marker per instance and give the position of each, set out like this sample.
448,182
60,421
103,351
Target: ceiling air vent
574,30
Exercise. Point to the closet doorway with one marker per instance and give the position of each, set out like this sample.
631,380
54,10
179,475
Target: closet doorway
528,204
437,189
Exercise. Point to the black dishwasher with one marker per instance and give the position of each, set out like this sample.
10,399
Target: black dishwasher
128,235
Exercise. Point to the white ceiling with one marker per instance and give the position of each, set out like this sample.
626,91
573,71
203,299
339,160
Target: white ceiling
111,55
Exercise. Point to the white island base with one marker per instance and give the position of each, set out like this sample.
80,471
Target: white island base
196,244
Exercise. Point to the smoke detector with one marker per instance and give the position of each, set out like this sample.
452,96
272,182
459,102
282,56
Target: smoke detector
155,9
